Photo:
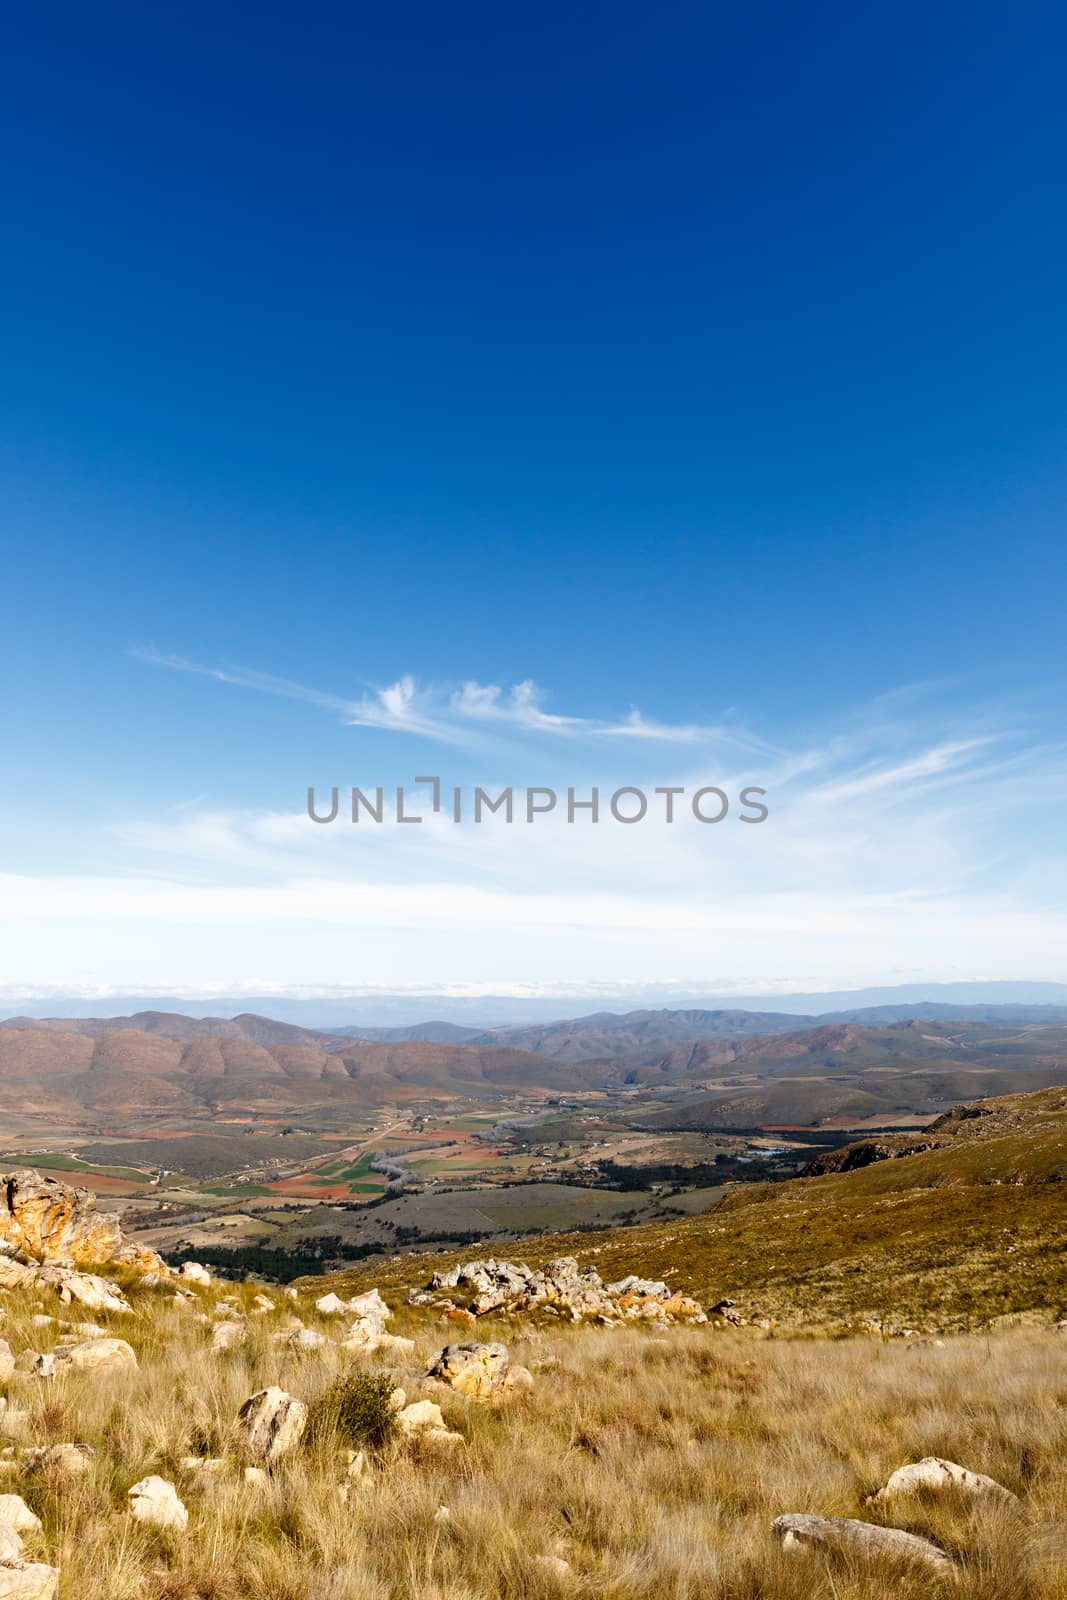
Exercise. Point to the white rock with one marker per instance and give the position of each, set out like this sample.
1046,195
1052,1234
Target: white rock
257,1477
932,1474
193,1272
305,1339
7,1361
10,1543
14,1509
330,1305
94,1354
44,1366
227,1335
29,1580
271,1423
155,1501
263,1302
423,1420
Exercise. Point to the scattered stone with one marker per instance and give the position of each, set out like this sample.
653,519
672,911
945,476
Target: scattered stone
866,1540
44,1366
155,1501
934,1475
555,1567
74,1460
263,1302
227,1335
7,1361
193,1272
442,1515
271,1423
291,1293
476,1370
304,1339
88,1289
257,1477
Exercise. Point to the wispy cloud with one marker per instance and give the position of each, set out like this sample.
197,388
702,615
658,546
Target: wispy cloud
457,716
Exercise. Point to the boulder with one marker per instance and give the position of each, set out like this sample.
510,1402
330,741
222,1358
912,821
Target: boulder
73,1460
89,1290
155,1501
7,1361
475,1370
28,1580
44,1366
271,1423
331,1305
10,1543
842,1536
304,1339
934,1475
422,1420
226,1335
93,1355
13,1509
193,1272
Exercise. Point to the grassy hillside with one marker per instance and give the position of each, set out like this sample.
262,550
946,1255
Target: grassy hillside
651,1463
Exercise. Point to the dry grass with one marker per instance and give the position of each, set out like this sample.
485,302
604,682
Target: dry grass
653,1463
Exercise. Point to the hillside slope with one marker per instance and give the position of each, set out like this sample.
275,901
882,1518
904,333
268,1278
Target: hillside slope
946,1239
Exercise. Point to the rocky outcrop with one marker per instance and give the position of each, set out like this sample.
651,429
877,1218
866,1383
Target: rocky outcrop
45,1220
865,1541
53,1221
562,1287
271,1423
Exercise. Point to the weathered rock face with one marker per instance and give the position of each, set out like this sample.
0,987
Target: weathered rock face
53,1221
155,1501
562,1286
271,1423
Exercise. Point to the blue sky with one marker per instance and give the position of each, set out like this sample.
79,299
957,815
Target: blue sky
680,361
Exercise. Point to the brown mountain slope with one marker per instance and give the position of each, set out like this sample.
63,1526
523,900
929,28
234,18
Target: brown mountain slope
138,1073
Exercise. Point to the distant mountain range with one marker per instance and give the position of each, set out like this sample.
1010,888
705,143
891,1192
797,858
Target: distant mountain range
403,1011
697,1069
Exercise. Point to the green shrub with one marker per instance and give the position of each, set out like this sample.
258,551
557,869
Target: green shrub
356,1409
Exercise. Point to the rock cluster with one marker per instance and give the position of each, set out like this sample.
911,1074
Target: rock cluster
562,1287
